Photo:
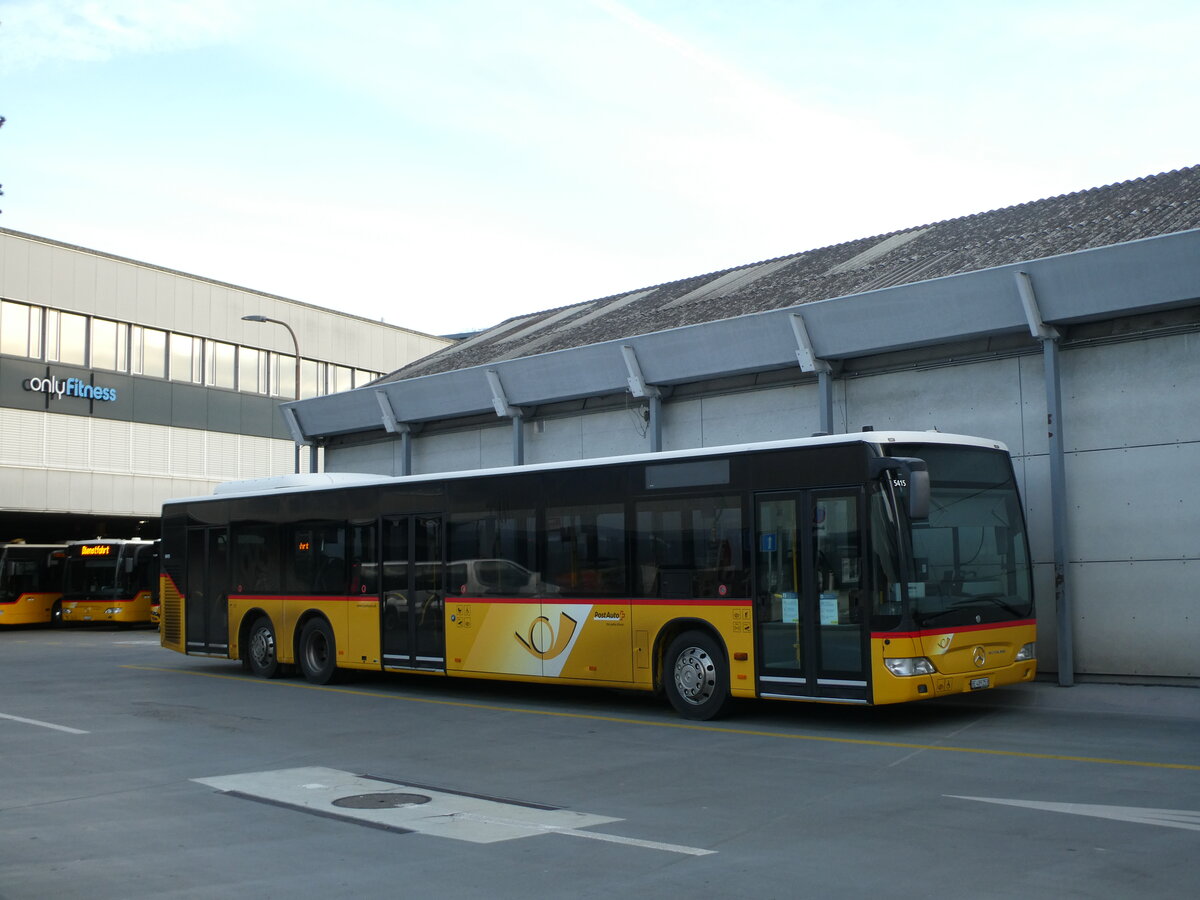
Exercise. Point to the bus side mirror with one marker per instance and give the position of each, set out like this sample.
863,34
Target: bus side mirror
910,474
918,493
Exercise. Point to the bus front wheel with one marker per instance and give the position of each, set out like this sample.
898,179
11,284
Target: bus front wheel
318,652
696,676
260,649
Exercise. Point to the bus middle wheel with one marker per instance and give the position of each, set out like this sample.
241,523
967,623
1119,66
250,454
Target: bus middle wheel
318,652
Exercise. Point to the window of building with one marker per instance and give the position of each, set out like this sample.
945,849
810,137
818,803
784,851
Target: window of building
110,345
20,329
311,382
148,351
72,339
187,358
252,370
222,364
66,338
341,378
283,375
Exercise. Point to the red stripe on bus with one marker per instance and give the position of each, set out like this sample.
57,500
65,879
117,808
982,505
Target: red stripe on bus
991,626
613,601
454,598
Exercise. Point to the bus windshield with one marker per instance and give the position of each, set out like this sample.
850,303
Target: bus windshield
93,578
970,558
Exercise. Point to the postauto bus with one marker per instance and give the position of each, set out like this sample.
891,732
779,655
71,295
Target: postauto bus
110,580
879,567
30,583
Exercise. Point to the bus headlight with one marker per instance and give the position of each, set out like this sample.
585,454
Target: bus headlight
1029,651
908,666
113,611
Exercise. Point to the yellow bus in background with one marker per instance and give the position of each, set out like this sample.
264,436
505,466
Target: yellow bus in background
879,567
30,583
110,580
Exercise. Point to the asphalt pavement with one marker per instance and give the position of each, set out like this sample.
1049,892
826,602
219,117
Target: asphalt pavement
129,771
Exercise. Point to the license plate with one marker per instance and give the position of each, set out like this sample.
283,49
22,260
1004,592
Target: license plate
980,683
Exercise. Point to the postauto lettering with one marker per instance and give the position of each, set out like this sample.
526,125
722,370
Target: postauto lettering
72,387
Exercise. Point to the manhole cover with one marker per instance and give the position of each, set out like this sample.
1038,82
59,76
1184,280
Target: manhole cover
381,801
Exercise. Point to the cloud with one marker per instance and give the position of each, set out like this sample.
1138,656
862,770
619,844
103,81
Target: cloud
42,31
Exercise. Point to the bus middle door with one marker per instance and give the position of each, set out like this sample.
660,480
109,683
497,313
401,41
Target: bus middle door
207,597
412,595
810,625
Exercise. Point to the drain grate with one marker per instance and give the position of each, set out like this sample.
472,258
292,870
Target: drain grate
381,801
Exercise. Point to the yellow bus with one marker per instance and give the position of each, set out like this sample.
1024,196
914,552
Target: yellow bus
878,567
30,583
110,580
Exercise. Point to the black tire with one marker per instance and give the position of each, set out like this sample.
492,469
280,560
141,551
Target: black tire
696,676
260,656
56,615
318,653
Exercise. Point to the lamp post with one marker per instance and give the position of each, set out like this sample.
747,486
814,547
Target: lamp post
296,345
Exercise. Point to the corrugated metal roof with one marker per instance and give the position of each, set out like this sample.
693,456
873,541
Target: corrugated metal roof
1103,216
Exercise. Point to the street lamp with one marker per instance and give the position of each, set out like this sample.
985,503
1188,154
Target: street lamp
296,344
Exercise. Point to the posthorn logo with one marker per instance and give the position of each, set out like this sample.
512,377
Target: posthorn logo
72,387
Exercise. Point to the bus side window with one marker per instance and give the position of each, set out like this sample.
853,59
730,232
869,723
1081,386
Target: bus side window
691,547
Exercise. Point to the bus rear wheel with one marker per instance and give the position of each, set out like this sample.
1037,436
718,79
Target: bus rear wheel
260,649
318,653
696,676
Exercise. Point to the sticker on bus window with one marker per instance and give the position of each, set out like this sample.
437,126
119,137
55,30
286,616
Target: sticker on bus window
791,607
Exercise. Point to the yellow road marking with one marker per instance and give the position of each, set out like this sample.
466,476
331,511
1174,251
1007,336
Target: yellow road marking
688,726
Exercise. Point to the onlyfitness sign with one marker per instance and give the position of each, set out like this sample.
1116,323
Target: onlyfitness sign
72,387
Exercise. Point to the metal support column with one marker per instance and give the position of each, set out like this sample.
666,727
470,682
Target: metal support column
506,411
649,392
810,362
298,437
518,438
1063,612
825,390
393,425
1063,609
406,451
655,423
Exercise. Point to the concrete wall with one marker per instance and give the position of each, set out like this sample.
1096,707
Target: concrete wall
1131,429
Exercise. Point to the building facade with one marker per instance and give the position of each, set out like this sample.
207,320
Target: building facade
123,384
1068,328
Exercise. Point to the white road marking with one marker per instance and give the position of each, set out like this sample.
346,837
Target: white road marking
1168,818
635,842
462,818
44,724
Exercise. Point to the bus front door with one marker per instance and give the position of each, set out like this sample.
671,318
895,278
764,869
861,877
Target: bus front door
412,596
206,594
811,633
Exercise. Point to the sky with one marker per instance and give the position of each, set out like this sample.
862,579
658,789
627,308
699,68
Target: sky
443,165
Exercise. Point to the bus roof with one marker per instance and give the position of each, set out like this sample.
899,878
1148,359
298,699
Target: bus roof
319,481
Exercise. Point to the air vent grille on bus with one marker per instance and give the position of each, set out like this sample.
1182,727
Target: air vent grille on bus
171,613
